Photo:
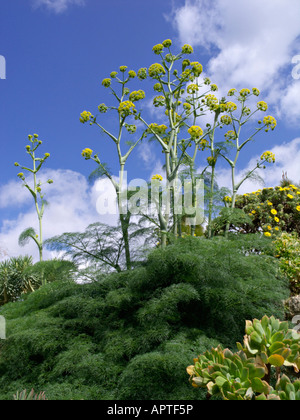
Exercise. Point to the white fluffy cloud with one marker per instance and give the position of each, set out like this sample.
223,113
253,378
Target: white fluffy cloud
252,43
73,205
287,161
57,6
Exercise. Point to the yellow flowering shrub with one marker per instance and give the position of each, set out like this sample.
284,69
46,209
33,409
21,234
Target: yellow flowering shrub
277,207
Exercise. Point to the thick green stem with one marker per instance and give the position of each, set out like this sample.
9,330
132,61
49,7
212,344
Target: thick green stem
211,201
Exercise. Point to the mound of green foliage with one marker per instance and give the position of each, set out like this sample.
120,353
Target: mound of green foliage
131,335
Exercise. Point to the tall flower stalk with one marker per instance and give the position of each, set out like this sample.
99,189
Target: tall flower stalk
36,192
125,109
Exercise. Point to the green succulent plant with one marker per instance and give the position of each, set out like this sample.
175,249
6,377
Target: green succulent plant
285,390
273,341
231,375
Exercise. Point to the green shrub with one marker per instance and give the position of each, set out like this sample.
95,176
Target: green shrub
101,340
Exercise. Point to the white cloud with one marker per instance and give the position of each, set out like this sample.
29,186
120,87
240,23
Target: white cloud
252,43
287,160
72,207
57,6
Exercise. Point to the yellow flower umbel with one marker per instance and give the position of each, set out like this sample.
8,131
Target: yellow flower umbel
195,132
85,116
268,157
158,49
298,208
87,153
187,49
137,95
262,106
126,108
157,177
156,70
226,119
270,122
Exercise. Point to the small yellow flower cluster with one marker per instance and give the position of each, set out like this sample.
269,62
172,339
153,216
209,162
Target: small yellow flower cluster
231,92
123,69
85,116
156,70
142,73
158,87
132,74
268,157
270,121
203,144
255,91
102,108
211,101
226,119
211,160
187,49
195,132
262,106
231,106
227,199
197,68
106,83
158,49
137,95
87,153
167,43
113,74
158,129
192,88
157,177
126,108
245,92
159,101
230,135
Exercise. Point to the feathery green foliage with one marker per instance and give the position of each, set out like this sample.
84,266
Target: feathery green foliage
101,340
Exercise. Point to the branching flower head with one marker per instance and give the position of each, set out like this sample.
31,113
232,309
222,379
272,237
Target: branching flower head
159,101
157,177
192,88
230,135
137,95
126,108
158,49
156,70
132,74
123,69
255,91
85,116
167,43
231,92
106,82
226,119
268,157
231,106
87,153
195,132
187,49
270,122
244,93
142,73
262,106
158,129
197,68
212,101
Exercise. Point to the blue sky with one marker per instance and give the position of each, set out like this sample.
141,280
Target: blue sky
58,51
